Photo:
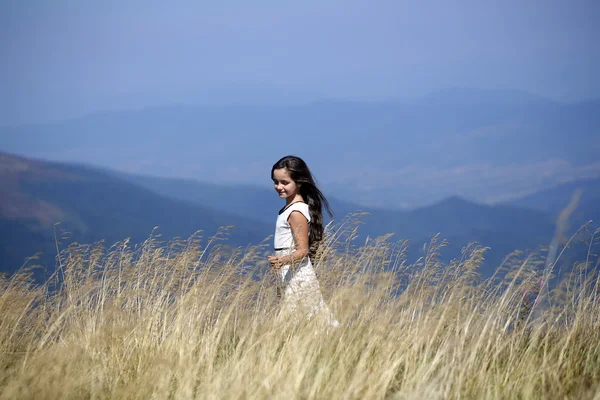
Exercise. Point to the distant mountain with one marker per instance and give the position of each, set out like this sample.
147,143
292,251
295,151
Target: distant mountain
502,228
557,198
253,202
484,97
465,142
94,205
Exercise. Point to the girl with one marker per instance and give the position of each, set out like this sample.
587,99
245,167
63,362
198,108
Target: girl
298,233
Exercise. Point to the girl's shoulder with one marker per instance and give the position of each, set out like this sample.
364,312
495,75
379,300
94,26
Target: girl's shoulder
295,206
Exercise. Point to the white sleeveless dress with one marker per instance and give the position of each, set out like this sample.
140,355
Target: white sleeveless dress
299,285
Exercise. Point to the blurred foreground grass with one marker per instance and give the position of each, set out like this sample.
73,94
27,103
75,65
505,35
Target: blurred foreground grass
185,320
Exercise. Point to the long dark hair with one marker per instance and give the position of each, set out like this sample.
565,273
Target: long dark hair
309,191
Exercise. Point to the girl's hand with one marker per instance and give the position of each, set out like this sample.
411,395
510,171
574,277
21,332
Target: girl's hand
275,261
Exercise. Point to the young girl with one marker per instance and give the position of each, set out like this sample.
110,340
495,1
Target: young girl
298,233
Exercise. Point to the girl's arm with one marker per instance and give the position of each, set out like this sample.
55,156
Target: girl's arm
299,225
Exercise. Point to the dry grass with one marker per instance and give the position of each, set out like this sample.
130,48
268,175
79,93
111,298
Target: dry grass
181,321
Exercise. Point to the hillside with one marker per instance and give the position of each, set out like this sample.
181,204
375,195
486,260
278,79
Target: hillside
93,205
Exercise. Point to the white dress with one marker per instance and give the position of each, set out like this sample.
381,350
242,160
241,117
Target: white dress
299,285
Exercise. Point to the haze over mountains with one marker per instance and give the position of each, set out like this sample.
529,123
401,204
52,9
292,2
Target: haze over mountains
484,146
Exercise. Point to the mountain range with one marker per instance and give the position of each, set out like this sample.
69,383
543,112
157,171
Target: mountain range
96,204
484,146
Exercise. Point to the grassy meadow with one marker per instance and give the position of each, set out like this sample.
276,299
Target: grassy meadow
196,319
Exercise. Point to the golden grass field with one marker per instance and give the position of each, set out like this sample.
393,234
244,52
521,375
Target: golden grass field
185,320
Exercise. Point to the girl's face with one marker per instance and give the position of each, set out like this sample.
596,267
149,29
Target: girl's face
283,183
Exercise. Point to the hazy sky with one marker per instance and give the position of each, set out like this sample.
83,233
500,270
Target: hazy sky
66,58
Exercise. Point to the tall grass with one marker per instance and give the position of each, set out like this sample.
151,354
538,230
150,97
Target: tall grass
188,320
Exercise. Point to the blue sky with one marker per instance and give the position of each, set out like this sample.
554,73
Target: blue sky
62,59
